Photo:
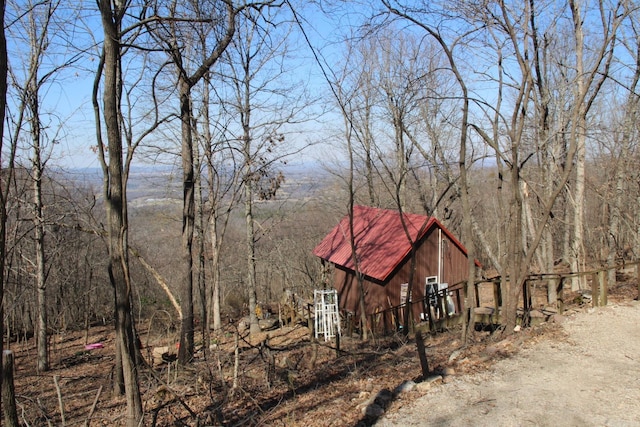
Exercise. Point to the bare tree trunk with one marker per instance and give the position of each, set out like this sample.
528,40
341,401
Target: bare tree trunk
185,352
199,245
6,175
38,222
43,352
8,390
251,256
115,199
511,293
215,274
579,135
213,285
185,84
622,165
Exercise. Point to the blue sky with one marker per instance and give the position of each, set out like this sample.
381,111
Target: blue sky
66,103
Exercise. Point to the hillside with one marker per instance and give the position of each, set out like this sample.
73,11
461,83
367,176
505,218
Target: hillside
283,378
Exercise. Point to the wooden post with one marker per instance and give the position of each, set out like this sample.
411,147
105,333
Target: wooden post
477,289
310,322
60,402
8,391
372,322
560,295
594,290
93,407
526,297
497,302
552,293
603,285
337,345
422,354
383,316
236,363
638,278
466,317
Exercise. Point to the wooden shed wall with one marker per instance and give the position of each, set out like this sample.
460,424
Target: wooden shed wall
380,297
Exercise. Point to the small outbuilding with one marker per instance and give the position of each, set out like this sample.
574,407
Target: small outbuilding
383,254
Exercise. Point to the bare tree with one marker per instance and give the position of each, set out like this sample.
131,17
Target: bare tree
590,75
6,177
448,47
179,21
36,31
111,157
263,100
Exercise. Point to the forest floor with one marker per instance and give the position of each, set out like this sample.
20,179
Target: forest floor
284,379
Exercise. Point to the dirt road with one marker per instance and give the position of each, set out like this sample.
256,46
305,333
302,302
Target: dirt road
590,379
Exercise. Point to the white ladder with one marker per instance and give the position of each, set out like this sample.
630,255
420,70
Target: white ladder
327,317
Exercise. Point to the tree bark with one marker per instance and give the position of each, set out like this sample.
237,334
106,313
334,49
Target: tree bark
6,175
185,352
185,85
115,199
38,224
8,390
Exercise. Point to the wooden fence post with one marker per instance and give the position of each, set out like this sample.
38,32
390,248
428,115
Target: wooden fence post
8,390
422,355
603,284
497,301
526,296
638,278
560,295
595,294
552,293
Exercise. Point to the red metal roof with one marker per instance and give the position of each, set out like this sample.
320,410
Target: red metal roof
380,240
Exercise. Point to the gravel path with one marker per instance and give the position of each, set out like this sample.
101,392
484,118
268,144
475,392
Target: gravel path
591,379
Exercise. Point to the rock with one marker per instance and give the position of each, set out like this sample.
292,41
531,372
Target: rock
454,355
423,386
159,351
243,325
517,328
405,387
429,382
434,379
448,371
268,324
283,362
557,318
491,350
369,386
160,355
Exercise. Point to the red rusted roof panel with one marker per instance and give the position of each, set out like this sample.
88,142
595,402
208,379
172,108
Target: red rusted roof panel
380,240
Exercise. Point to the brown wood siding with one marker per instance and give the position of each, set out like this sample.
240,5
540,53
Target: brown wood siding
455,268
382,297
